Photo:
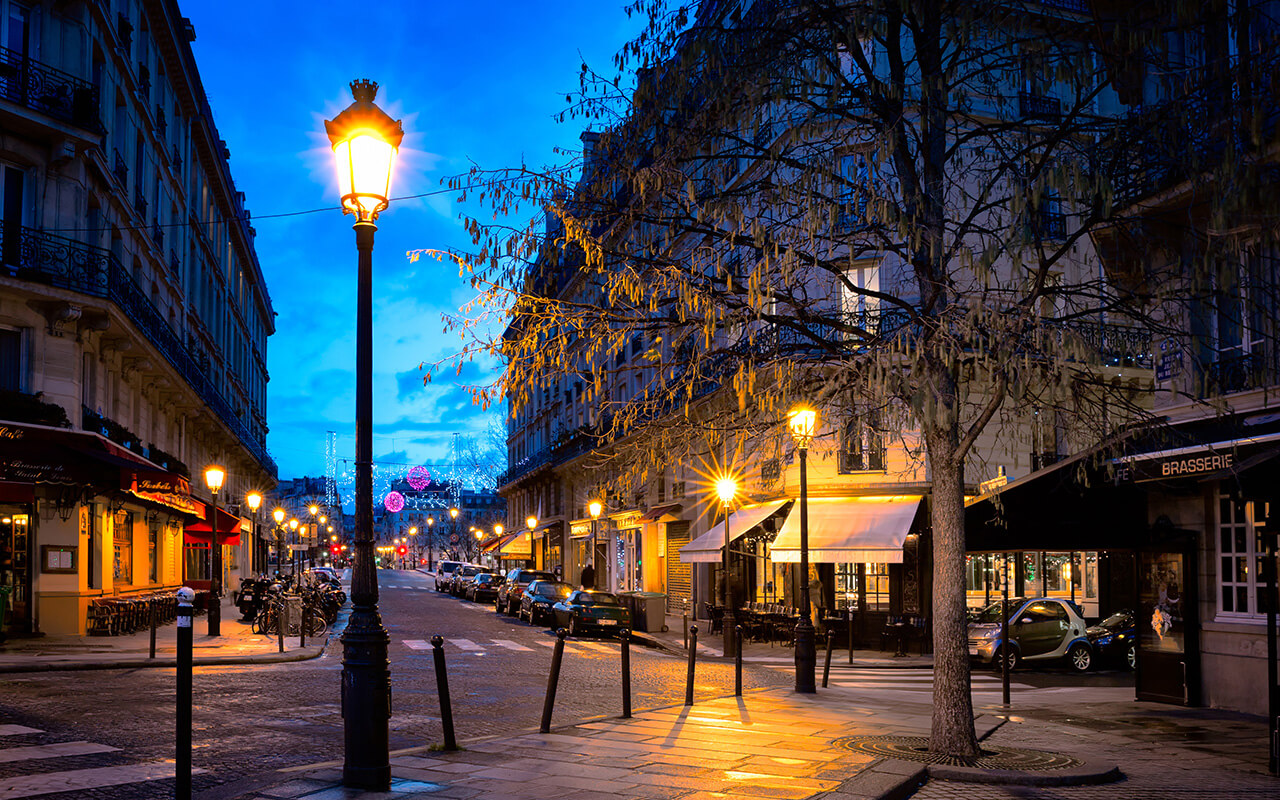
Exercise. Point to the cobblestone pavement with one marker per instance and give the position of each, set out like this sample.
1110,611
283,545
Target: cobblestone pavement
251,720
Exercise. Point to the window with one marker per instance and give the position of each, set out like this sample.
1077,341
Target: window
88,381
861,445
876,582
856,191
856,305
1240,558
122,536
853,72
11,206
1235,327
10,360
199,564
770,471
153,551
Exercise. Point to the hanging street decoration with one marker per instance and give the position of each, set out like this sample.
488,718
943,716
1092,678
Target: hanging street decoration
419,477
393,502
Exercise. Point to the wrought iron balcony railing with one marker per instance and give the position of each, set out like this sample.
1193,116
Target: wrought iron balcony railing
1038,106
157,234
140,201
44,258
50,91
1243,373
120,170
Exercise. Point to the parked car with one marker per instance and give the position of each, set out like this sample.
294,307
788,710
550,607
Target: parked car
484,588
539,597
444,574
517,580
463,576
1115,640
1040,629
588,611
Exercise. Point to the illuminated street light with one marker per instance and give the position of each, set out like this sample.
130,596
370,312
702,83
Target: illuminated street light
213,478
803,422
726,490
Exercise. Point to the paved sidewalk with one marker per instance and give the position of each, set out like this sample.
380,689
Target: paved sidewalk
236,645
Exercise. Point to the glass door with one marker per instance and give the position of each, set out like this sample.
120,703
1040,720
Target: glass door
1168,667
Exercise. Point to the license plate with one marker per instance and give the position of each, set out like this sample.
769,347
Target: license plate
608,622
973,651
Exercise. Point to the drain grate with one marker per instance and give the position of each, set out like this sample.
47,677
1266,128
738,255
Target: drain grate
916,748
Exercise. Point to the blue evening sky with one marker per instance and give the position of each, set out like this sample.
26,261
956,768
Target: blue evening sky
477,81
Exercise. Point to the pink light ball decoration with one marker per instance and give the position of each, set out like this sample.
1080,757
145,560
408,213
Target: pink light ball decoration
419,477
393,502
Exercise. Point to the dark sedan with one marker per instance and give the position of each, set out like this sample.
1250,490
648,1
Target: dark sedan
591,612
484,589
539,597
1113,639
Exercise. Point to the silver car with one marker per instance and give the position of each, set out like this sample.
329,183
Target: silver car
1040,629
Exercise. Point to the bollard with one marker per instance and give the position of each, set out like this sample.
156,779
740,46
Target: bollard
693,649
737,662
685,618
826,666
182,758
626,673
442,687
152,605
849,612
552,681
280,625
302,627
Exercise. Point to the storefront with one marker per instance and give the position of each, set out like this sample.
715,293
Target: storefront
626,566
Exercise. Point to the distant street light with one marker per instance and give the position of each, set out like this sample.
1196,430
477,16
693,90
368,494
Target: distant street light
803,422
726,490
278,515
593,508
213,478
365,141
254,500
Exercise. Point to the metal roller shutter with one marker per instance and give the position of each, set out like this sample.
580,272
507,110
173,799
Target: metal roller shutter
679,574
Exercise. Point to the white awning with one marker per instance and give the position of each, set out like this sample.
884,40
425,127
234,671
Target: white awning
848,530
709,546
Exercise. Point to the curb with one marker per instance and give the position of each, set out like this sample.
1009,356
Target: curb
676,650
302,654
1084,775
886,779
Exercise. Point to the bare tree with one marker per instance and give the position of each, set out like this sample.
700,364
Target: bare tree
886,205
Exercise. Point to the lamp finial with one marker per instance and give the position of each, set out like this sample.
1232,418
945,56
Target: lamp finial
364,90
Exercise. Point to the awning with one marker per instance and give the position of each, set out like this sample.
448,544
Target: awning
709,547
656,513
228,528
492,544
847,530
517,545
41,454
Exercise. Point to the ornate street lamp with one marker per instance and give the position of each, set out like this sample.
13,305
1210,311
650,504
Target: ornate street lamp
254,500
431,537
593,508
278,516
213,478
803,422
293,546
726,490
365,141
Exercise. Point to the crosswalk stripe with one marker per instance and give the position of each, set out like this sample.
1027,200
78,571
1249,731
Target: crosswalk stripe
510,645
465,644
58,750
568,648
17,730
84,779
417,644
598,647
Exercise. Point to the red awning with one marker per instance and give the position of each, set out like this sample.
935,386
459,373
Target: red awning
228,527
41,454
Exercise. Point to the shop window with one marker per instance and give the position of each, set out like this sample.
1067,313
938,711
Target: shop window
1240,559
153,551
122,537
198,562
10,360
876,581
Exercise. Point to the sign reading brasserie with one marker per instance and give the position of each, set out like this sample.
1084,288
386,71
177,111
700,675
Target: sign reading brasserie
1199,462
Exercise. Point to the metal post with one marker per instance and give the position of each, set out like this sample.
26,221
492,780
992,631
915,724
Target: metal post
737,664
182,758
727,624
442,687
1273,694
806,656
626,673
151,604
366,673
215,586
280,625
849,613
553,680
693,650
1004,634
826,665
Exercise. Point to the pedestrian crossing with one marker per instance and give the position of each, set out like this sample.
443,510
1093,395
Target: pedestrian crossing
51,780
469,647
900,680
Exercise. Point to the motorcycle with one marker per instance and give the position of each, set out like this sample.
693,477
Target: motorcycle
252,594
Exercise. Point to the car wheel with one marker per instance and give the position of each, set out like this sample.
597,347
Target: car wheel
520,614
573,627
1000,657
1080,657
1131,656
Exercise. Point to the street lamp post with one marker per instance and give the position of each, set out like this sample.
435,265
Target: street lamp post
294,543
365,141
431,525
254,500
278,516
531,522
593,508
213,478
453,524
803,422
726,489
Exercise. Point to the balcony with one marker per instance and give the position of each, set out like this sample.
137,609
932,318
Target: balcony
872,460
38,257
1106,343
120,170
157,235
49,91
174,266
140,202
1050,225
1038,106
1242,373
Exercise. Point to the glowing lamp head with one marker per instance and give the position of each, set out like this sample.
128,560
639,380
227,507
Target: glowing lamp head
531,522
365,141
431,521
479,534
453,512
803,422
254,500
413,531
293,524
278,516
213,477
726,490
313,509
498,529
594,508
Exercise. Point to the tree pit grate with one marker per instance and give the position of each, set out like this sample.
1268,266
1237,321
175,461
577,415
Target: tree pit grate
916,748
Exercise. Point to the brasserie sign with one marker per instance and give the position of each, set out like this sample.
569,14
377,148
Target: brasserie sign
1199,462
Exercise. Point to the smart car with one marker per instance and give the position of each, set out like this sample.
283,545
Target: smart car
1040,629
591,612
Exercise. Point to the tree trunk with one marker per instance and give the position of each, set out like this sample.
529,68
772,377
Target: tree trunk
952,732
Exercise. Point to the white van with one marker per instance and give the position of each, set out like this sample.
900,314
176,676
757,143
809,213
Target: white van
444,574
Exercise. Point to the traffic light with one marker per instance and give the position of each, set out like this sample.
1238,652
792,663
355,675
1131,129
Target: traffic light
403,549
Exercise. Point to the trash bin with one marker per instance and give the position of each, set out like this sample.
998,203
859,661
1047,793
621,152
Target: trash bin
648,611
